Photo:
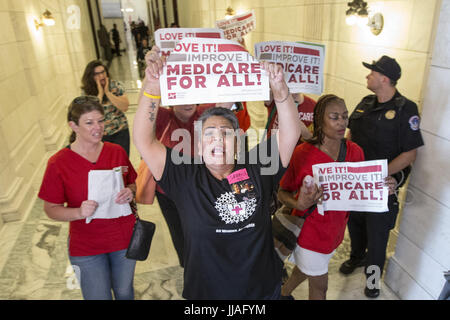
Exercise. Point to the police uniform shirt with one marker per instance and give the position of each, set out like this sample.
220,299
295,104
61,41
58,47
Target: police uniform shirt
385,130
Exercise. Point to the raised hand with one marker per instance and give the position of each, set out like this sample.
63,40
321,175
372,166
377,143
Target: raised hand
279,87
154,69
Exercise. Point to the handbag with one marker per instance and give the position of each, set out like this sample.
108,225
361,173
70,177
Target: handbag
141,239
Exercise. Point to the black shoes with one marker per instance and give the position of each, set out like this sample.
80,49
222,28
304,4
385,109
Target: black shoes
371,293
350,265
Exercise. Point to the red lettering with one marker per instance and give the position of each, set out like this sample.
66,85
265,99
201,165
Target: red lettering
247,81
173,69
368,185
223,81
243,67
235,82
255,68
353,196
170,82
215,68
335,195
230,68
185,82
200,81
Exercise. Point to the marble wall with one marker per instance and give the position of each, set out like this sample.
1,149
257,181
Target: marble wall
40,72
423,247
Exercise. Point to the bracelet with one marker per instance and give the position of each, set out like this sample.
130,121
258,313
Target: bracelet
148,95
288,94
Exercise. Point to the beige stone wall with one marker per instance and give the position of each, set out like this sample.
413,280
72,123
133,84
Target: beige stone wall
40,72
406,36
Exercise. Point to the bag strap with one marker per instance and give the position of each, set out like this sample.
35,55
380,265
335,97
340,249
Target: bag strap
134,209
342,151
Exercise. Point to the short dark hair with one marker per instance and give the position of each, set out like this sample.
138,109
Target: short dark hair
79,106
220,112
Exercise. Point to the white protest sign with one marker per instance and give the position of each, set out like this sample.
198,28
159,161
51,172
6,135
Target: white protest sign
353,186
212,70
236,27
167,38
303,63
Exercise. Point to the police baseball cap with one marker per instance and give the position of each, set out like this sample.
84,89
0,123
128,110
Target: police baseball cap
387,66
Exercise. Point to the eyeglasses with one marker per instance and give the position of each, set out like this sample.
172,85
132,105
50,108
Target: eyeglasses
98,73
84,99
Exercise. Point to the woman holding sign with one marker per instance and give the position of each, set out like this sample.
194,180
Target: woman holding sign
229,252
96,249
320,235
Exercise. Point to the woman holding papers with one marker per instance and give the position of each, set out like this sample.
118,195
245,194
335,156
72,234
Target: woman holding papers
96,249
229,252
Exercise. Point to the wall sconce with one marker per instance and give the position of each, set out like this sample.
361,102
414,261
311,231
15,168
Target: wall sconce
46,19
376,23
359,13
229,13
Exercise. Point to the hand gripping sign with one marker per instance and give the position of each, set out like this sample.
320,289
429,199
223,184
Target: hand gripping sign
212,70
236,27
302,62
352,186
166,39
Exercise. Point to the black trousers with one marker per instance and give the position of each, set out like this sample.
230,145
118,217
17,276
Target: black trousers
172,217
370,231
121,138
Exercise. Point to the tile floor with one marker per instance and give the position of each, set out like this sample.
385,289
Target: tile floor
33,252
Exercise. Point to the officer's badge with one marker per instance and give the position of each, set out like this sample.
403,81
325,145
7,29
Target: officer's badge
390,114
414,123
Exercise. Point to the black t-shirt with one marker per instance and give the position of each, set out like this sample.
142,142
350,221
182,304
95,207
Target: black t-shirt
385,130
229,249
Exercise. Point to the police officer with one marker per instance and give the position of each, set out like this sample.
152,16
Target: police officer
385,125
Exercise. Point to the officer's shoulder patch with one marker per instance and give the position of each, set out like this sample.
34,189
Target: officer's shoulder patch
414,123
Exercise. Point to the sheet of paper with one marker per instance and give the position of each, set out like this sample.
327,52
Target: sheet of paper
103,187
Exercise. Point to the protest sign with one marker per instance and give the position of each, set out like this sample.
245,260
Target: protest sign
212,70
352,186
236,27
167,38
302,63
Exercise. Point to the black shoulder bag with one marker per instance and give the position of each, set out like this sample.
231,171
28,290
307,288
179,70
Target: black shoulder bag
140,242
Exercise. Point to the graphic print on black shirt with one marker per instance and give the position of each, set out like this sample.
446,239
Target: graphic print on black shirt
239,204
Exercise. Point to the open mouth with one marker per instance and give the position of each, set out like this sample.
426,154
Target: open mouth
217,151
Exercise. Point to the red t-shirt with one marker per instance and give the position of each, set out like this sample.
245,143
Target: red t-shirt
66,181
167,122
305,114
319,233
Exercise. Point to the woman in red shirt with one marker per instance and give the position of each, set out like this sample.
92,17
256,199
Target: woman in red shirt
320,235
96,249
